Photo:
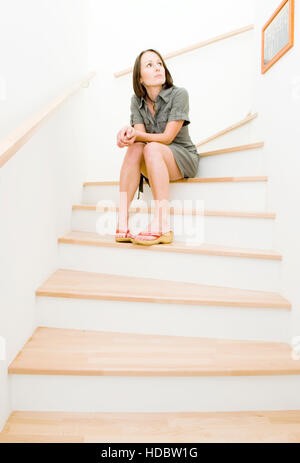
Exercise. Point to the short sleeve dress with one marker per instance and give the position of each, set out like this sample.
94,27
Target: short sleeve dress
172,104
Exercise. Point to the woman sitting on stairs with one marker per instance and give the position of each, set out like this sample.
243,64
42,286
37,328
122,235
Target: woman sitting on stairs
159,146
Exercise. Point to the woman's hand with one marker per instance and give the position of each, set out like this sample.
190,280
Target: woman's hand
126,136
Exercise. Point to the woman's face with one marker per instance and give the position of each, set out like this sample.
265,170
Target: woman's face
152,70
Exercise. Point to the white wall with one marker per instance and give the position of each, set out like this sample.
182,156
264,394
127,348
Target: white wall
277,99
43,52
218,77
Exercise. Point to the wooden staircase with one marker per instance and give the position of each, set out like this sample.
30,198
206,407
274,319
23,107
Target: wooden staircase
187,342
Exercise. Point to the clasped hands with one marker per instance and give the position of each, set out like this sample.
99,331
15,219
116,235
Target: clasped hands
126,136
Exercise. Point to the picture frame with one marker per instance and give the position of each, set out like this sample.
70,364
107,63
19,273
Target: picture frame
277,35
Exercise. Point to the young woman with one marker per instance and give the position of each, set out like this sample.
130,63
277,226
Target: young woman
159,146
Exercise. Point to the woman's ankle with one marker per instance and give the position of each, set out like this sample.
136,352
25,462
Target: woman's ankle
122,224
155,226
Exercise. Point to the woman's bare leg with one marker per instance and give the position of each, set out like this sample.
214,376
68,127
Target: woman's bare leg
161,167
129,181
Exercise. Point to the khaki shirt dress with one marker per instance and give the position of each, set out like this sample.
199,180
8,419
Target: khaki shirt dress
172,104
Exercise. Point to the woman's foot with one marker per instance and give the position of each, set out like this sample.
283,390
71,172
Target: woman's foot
154,234
122,224
149,238
155,227
123,236
122,230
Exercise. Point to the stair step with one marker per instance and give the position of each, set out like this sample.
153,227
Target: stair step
54,351
232,149
191,180
94,239
174,211
247,426
247,192
93,301
178,261
89,285
83,371
230,228
36,438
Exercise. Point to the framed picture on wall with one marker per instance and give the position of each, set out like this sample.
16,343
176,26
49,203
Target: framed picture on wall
277,35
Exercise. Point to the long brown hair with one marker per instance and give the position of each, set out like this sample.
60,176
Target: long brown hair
139,88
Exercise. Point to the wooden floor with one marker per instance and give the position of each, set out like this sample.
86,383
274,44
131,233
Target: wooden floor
249,426
58,351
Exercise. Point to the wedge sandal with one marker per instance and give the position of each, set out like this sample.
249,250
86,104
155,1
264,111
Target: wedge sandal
148,238
122,236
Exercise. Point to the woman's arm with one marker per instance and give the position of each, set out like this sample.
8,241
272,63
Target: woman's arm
134,135
147,137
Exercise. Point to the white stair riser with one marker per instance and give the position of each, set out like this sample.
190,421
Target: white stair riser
238,272
228,231
246,196
239,164
154,394
239,323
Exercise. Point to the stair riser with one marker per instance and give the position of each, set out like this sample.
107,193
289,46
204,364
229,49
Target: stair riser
154,394
238,272
239,164
246,196
228,231
239,323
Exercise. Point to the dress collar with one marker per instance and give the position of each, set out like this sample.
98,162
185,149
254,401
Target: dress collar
164,94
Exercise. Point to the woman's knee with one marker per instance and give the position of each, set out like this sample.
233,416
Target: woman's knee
134,153
156,152
153,152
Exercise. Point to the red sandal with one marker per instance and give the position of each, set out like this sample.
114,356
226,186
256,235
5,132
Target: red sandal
122,236
145,238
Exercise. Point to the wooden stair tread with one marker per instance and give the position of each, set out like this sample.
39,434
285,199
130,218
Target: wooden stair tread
57,351
94,239
256,178
247,214
240,426
89,285
232,149
35,438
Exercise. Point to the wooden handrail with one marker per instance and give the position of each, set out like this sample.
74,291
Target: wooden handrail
16,139
195,46
244,121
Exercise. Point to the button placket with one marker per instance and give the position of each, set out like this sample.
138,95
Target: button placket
150,115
